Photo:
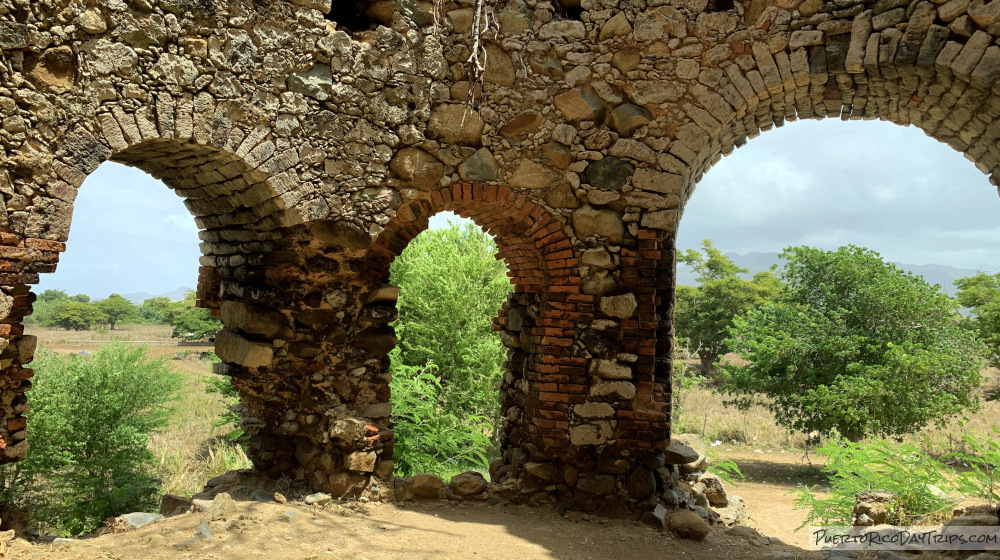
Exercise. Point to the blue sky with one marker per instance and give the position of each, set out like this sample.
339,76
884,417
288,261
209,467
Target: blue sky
823,183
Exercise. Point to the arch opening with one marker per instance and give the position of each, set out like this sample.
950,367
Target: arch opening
451,288
828,184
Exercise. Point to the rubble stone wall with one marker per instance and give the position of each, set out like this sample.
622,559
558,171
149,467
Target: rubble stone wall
311,151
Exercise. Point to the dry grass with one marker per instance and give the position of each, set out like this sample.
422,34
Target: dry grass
138,333
191,449
704,413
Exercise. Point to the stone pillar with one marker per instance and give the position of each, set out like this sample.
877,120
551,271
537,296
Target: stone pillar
20,262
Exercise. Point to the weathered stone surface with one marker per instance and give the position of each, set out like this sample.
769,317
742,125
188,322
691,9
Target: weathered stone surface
426,486
317,82
619,390
530,175
55,67
566,29
525,122
615,27
544,471
480,166
252,319
594,410
468,484
694,442
626,119
872,508
417,168
341,233
610,369
622,307
602,485
679,453
456,124
714,490
360,461
138,520
579,104
231,347
589,221
641,483
687,524
223,507
174,505
608,173
499,67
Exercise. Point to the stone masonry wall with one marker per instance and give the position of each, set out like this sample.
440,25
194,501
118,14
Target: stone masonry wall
311,152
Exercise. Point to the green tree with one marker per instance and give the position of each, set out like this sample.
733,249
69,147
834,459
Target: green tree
452,286
154,310
981,294
90,421
704,314
190,322
45,304
116,308
82,298
194,323
74,315
855,345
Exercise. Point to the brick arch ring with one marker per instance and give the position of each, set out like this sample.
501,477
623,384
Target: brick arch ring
544,377
538,253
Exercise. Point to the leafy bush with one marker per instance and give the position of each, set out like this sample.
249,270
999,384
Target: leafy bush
854,344
429,438
90,423
918,480
452,286
983,458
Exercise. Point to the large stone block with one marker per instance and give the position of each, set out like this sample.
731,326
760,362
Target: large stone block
530,175
580,104
417,168
252,319
456,124
233,348
589,221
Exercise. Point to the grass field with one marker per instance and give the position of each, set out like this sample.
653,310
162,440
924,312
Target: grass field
191,449
703,412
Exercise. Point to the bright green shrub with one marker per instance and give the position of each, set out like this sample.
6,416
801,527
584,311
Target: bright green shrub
90,423
876,465
429,438
452,287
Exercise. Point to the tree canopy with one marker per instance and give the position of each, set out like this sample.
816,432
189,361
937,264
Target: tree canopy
856,345
116,308
704,313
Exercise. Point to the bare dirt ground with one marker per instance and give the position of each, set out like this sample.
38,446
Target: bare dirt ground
443,530
388,531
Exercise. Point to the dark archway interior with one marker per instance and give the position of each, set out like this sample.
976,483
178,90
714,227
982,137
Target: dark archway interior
350,16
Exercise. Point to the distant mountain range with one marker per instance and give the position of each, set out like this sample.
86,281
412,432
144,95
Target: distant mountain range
940,274
139,297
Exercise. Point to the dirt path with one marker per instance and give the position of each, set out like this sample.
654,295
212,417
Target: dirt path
435,531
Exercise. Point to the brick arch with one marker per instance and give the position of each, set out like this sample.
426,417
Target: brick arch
542,374
538,253
230,179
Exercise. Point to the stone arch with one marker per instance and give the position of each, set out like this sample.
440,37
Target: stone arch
230,179
901,65
540,374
